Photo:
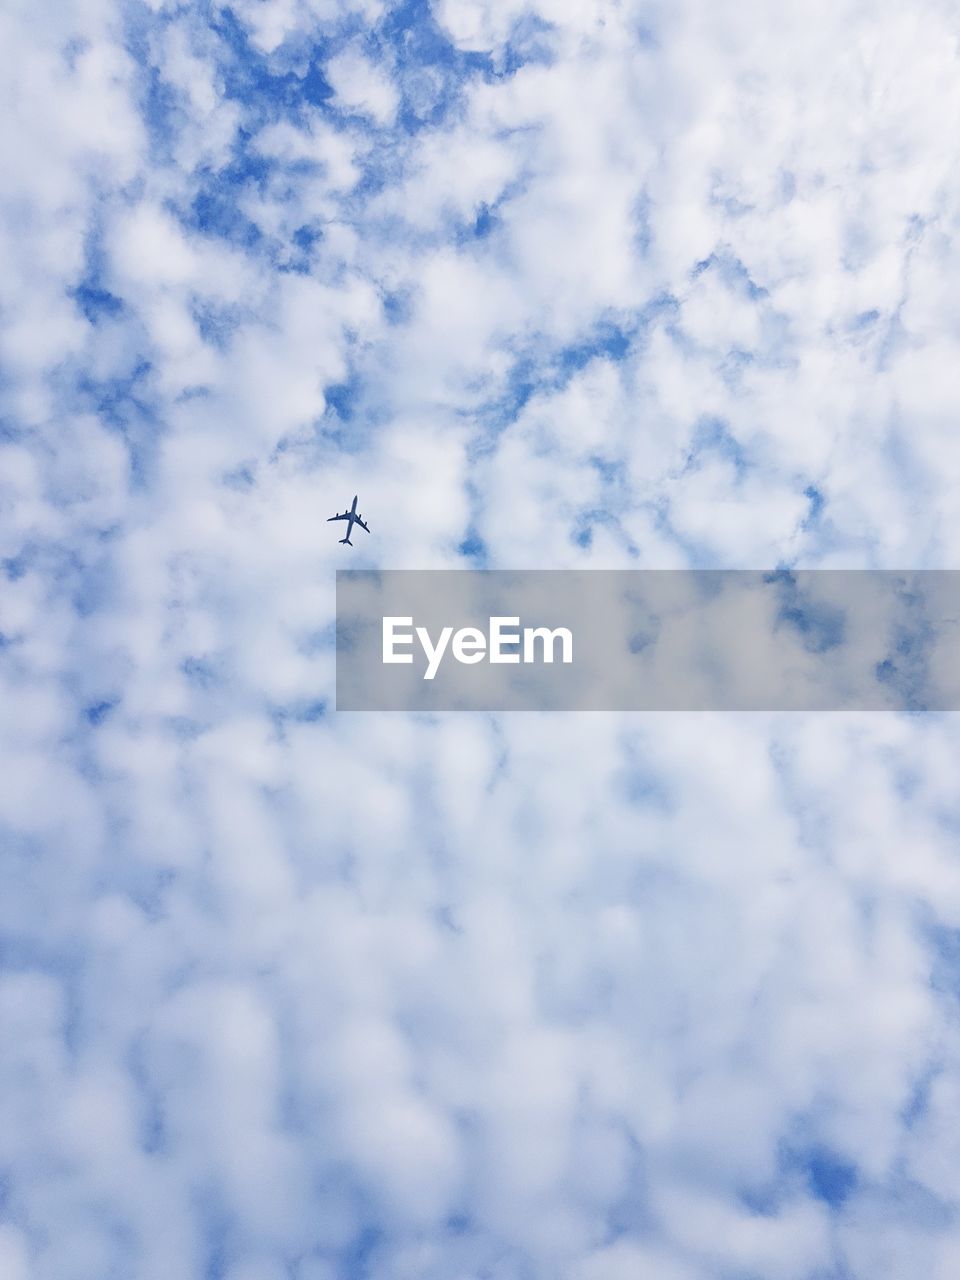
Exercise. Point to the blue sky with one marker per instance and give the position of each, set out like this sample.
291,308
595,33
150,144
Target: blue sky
292,996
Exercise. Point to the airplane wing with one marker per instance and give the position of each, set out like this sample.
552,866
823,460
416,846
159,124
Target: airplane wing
362,524
345,516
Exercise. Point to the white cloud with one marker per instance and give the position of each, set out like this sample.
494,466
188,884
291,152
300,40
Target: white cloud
362,86
545,995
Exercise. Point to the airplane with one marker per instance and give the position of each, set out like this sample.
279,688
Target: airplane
353,515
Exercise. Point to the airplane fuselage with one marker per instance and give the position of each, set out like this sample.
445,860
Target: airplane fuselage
352,520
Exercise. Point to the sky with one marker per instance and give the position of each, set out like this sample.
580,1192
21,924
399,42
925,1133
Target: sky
287,994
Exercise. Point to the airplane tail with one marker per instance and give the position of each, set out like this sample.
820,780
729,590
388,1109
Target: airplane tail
347,541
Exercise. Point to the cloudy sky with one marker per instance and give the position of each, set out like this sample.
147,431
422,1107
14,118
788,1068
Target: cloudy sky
287,995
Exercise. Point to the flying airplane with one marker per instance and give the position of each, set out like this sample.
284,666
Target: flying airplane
353,515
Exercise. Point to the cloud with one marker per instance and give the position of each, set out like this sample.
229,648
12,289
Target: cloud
286,992
362,86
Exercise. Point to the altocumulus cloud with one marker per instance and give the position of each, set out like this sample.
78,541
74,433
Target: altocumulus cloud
286,996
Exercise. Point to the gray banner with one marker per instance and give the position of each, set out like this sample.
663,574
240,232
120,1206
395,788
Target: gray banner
645,640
